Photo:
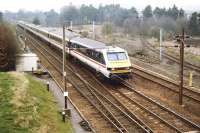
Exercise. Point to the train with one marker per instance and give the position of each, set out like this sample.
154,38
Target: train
108,61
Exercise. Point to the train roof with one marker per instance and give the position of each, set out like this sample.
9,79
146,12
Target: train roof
98,46
88,43
58,32
74,38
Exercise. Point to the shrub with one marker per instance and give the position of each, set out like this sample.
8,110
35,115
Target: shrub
7,47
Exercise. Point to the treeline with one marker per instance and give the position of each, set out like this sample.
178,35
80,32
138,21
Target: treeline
172,20
8,45
194,24
148,22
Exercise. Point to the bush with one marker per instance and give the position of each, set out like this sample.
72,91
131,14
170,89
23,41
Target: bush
1,17
8,46
84,33
36,21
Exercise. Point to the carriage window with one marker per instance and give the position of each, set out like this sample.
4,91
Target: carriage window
83,50
114,56
101,58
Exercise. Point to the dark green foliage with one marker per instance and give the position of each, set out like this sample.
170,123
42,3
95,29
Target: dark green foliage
68,13
194,24
88,13
173,12
172,20
159,12
52,18
1,17
8,47
36,21
181,13
147,12
133,13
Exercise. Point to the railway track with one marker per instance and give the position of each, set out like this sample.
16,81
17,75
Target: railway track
164,114
96,114
118,118
188,93
170,57
106,100
108,96
167,83
158,117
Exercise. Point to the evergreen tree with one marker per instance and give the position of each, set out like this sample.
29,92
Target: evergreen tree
69,13
159,12
36,21
52,18
1,16
181,13
147,12
133,12
194,24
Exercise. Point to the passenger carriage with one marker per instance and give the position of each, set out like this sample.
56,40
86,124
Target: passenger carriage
110,61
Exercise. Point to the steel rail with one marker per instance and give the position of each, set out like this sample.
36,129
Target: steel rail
186,64
58,69
140,105
129,86
185,94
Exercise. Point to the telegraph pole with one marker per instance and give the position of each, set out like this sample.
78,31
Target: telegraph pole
71,25
181,39
181,67
160,44
93,29
64,74
64,54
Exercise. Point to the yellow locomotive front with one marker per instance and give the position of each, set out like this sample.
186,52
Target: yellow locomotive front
118,63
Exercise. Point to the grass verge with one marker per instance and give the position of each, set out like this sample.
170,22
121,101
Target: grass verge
26,106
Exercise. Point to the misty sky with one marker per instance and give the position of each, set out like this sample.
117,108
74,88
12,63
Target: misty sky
44,5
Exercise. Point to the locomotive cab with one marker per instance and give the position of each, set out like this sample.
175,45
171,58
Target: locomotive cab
117,62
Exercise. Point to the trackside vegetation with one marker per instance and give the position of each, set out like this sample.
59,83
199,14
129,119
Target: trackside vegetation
26,106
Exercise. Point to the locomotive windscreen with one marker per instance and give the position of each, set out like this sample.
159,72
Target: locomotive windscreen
115,56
